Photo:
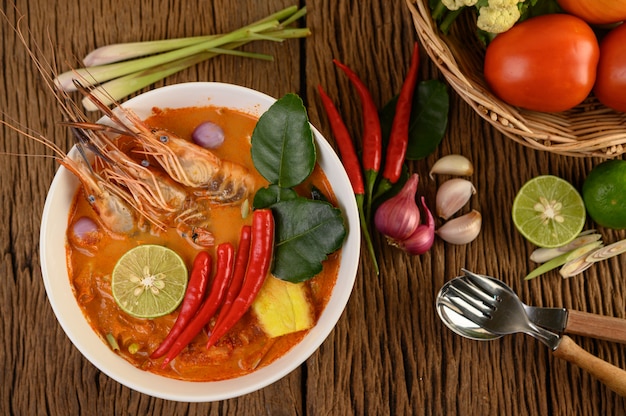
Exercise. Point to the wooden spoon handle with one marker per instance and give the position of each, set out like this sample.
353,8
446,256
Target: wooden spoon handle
596,326
613,377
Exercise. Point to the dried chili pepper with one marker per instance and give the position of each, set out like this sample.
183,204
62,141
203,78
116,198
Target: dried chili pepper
260,260
221,281
196,289
351,164
399,137
239,272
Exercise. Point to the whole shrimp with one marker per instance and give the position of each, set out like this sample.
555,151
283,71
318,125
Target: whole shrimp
114,207
121,191
220,181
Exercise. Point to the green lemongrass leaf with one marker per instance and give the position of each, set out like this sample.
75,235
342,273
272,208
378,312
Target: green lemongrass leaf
607,252
562,259
303,241
293,17
118,52
542,254
114,90
124,51
98,74
283,150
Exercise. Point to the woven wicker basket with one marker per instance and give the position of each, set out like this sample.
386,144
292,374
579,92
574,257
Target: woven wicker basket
590,129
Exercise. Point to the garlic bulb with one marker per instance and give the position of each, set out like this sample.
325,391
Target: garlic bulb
461,230
452,195
452,165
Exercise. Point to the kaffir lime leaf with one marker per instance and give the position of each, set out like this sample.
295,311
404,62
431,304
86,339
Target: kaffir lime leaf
548,211
149,281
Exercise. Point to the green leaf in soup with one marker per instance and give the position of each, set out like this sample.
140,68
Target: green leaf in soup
306,232
283,150
266,197
429,118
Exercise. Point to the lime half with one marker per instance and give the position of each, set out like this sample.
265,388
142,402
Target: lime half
149,281
548,211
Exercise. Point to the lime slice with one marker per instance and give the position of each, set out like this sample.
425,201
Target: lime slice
548,211
149,281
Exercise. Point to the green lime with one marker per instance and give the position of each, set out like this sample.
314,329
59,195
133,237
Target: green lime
149,281
604,193
548,211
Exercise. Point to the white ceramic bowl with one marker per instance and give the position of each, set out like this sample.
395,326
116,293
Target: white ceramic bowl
70,316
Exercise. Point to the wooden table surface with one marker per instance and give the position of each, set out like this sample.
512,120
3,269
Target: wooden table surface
389,353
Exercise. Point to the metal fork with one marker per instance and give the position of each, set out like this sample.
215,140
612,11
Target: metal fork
501,312
496,309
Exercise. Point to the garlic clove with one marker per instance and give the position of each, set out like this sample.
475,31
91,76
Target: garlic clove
452,165
461,230
452,195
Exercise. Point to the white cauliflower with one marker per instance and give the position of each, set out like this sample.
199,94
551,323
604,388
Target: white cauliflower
499,16
457,4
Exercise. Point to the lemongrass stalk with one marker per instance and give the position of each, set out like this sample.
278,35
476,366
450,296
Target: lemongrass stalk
562,259
113,91
575,267
125,51
96,75
542,255
607,252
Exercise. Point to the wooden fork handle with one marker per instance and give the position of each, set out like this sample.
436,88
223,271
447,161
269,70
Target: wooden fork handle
611,376
596,326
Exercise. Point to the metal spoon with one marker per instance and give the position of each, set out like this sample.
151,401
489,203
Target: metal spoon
497,309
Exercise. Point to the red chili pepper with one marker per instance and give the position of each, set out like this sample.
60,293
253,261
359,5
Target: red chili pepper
344,142
223,275
261,251
351,164
399,137
372,136
196,289
241,262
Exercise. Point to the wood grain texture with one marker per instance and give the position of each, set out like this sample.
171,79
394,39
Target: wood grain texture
389,353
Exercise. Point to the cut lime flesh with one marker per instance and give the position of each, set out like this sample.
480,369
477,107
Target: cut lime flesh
548,211
149,281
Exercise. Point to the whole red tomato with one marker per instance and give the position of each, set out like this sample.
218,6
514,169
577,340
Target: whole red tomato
596,11
610,86
547,63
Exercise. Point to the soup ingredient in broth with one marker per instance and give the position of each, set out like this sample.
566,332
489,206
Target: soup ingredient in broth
260,260
221,281
149,281
239,272
208,135
196,291
284,153
283,307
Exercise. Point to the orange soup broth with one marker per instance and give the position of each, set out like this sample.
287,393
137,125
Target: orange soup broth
245,347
